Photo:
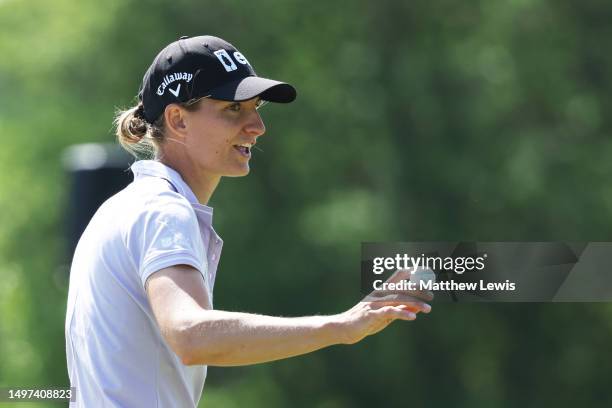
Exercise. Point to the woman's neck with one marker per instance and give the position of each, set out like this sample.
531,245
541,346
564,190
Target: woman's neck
202,183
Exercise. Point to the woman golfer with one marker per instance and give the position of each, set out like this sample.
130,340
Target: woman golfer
140,322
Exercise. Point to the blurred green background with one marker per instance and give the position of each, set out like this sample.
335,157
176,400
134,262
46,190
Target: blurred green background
415,120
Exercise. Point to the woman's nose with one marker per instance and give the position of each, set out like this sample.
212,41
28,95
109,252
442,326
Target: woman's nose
255,126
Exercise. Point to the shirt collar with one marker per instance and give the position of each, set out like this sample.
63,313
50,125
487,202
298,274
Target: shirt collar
153,168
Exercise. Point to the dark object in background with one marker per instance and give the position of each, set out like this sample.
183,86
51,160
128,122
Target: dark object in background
96,172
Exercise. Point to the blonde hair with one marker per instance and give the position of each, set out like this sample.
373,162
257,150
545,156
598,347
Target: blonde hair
140,138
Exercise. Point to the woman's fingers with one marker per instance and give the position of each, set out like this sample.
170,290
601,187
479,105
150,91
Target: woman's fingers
414,305
395,312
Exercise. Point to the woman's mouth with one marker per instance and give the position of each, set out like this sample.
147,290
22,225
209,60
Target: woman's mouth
244,149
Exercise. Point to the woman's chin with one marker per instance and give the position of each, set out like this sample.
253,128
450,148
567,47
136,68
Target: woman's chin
239,172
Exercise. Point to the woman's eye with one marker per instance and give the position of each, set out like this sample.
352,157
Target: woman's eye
234,107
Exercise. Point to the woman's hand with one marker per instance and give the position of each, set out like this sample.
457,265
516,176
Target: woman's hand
377,310
367,318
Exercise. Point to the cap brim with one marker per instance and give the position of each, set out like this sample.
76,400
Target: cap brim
252,86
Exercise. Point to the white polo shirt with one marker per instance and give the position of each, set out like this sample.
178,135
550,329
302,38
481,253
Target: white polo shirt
116,354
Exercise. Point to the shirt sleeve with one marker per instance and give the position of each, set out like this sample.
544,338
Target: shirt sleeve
166,233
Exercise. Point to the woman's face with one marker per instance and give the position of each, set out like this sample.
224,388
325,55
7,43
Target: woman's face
220,136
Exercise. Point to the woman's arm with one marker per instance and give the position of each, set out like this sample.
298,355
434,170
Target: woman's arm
199,335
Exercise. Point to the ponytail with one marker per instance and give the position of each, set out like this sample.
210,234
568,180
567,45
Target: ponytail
135,134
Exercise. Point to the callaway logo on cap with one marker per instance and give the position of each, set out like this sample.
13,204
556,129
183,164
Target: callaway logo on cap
204,66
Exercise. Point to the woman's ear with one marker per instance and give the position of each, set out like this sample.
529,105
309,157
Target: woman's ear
175,120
